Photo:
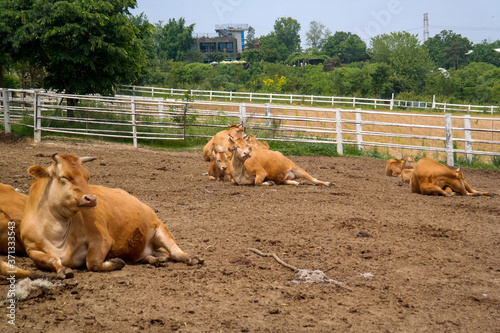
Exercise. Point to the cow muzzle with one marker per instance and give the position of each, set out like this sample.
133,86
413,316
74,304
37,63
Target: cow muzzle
88,200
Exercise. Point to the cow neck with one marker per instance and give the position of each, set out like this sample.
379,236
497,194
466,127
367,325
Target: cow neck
236,167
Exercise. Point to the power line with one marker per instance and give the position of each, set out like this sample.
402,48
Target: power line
465,28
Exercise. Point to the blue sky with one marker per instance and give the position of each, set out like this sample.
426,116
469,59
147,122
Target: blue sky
477,20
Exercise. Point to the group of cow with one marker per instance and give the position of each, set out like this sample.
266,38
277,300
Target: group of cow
429,177
65,223
242,159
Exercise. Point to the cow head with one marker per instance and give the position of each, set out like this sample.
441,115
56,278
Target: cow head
239,146
408,162
67,187
220,158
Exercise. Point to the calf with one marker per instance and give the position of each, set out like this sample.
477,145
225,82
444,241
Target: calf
432,178
393,167
262,166
406,175
68,223
217,170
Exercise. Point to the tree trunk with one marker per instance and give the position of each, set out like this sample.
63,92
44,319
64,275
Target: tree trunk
71,102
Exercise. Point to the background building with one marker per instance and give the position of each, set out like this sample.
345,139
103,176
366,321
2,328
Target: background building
228,39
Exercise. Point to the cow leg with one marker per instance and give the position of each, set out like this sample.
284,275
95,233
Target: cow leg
164,239
8,270
96,256
260,176
433,190
160,261
50,262
300,173
472,191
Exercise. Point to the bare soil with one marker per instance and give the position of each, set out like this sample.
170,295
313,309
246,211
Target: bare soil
431,264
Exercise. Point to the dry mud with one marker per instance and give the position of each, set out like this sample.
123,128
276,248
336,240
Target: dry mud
431,264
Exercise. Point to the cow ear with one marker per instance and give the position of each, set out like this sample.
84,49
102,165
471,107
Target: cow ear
246,137
87,159
231,139
38,171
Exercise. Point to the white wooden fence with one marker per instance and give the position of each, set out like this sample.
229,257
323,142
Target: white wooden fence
305,99
140,118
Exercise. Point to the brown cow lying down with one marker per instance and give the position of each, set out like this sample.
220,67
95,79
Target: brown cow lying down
257,166
219,141
11,213
68,223
11,209
393,167
432,178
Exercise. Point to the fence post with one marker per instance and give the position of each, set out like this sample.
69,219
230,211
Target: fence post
338,120
271,98
6,110
134,127
391,102
268,115
37,122
291,98
468,137
160,109
359,129
449,139
243,113
354,102
433,101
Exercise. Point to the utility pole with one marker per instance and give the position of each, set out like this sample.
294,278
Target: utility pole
426,27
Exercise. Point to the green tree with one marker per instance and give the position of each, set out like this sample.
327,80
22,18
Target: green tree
347,46
173,39
193,56
485,52
251,40
274,51
85,46
252,55
20,49
448,49
317,35
477,82
286,30
408,60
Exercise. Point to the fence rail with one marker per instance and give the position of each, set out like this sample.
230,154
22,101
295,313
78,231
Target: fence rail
140,118
304,99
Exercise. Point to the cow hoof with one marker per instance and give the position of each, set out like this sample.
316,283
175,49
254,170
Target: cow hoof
67,273
117,263
159,262
195,260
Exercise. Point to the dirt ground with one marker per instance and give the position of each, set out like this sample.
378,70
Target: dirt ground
432,264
